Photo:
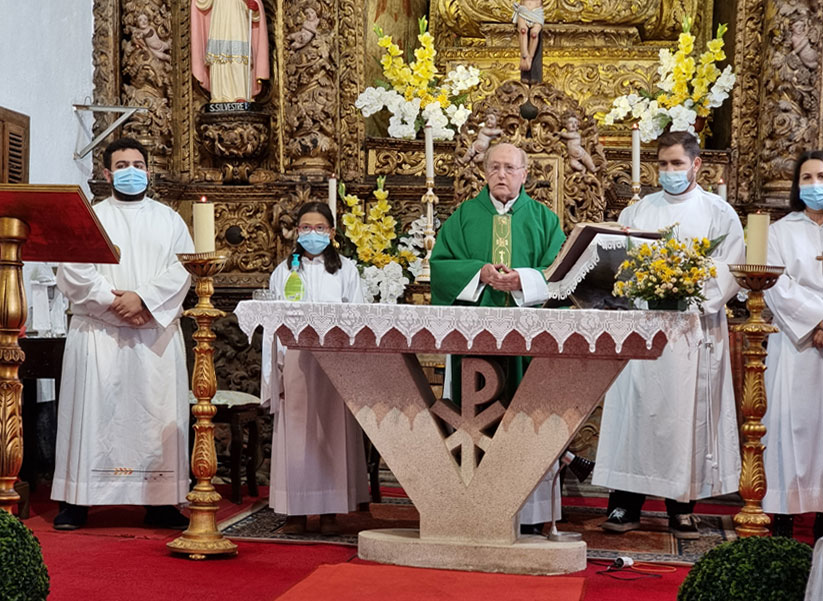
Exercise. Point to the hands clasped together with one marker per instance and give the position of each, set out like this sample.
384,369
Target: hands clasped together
500,277
129,307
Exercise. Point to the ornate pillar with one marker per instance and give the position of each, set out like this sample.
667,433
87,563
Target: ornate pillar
776,111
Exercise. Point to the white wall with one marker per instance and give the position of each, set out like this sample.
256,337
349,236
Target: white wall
45,68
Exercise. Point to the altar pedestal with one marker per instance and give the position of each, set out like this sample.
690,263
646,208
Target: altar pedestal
468,470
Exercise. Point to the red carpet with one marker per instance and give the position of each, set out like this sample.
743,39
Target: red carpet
350,582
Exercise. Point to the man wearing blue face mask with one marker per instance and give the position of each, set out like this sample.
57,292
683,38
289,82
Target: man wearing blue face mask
669,427
122,430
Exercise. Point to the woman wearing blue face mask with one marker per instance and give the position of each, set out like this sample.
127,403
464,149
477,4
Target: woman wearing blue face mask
318,464
794,365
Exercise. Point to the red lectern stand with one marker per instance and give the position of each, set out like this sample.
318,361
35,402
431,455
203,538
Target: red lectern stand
37,223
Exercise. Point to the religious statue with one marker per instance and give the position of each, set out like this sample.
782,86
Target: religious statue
478,148
229,48
145,35
801,44
579,158
307,31
528,16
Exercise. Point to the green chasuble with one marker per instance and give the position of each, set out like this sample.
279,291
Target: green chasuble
467,241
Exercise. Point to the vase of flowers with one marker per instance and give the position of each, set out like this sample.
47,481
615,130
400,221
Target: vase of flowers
387,262
686,91
415,94
667,273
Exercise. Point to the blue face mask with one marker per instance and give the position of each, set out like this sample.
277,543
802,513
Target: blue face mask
313,243
130,181
812,196
674,182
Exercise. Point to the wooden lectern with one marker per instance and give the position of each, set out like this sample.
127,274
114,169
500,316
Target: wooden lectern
37,223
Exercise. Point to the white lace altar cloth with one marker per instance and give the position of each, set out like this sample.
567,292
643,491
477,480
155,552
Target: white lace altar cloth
467,330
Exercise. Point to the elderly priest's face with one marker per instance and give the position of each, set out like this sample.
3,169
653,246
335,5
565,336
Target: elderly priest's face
505,171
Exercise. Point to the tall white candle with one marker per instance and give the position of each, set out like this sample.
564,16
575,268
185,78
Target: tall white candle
333,198
635,154
429,153
722,190
203,218
757,238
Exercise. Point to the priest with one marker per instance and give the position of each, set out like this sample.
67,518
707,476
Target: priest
669,426
491,252
123,418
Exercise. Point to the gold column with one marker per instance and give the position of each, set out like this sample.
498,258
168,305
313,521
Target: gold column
13,234
751,521
202,537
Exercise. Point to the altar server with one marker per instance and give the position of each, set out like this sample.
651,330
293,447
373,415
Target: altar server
669,426
318,463
123,418
794,365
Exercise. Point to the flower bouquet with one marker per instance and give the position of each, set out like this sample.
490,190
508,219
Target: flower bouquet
667,273
686,92
387,264
415,95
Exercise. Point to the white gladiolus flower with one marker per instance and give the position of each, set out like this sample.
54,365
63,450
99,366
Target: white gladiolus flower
398,128
682,118
458,114
370,101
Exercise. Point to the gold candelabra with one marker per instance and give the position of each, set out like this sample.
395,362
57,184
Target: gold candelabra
202,537
751,521
13,234
429,199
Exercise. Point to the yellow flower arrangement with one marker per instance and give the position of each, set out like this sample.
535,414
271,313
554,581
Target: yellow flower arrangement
687,89
667,269
415,94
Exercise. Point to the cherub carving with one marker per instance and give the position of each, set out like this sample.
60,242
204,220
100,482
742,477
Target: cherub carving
306,33
145,35
579,158
801,44
487,133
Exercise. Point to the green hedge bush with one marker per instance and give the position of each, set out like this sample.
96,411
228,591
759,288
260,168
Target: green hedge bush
23,575
750,569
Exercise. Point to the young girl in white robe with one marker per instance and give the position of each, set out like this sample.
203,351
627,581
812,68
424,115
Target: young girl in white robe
318,463
794,365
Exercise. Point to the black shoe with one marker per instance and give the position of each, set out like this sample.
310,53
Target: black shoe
165,516
532,529
581,467
817,529
684,526
619,520
70,517
783,525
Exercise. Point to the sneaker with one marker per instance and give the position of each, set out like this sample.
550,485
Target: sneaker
165,516
619,520
783,525
684,526
532,529
70,517
328,525
295,524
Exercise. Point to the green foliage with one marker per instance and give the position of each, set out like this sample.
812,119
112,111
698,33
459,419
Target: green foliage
23,575
750,569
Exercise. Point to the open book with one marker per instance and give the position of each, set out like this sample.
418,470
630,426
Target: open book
585,268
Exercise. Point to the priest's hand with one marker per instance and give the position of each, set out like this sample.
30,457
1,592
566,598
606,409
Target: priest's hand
817,339
127,304
500,277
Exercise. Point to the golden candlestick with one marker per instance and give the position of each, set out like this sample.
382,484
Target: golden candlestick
751,521
635,193
429,199
202,537
13,233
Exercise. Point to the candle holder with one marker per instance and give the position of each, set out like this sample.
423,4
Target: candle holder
429,199
751,521
202,537
635,193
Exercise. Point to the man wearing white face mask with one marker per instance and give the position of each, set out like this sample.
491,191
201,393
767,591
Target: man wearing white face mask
669,426
122,426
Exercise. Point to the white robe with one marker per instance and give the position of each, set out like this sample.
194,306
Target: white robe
318,462
123,419
794,370
669,426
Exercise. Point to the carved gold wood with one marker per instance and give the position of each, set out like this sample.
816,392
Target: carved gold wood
13,234
575,194
202,537
751,521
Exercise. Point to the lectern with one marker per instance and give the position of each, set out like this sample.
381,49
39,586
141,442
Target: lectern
37,223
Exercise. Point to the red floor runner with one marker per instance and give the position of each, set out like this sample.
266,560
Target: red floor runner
349,582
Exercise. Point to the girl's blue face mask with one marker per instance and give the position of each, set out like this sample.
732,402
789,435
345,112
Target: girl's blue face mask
313,242
812,196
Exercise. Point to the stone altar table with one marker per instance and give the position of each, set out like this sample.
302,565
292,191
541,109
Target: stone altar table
469,470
